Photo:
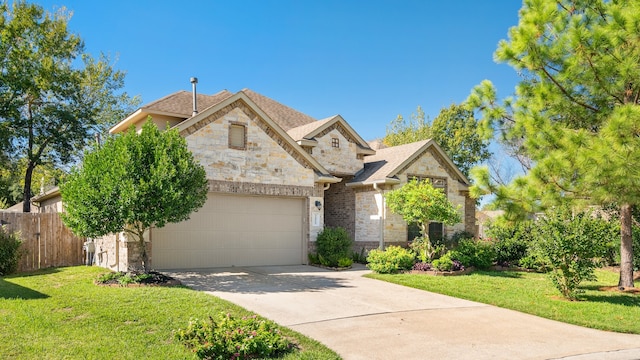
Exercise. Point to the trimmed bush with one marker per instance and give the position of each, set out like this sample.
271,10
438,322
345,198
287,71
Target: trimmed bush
226,337
332,245
9,251
477,253
390,261
448,263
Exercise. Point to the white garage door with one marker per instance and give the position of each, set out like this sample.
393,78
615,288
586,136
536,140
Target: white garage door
232,230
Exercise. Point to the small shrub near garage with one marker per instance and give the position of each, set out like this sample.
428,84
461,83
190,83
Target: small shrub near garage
9,251
391,260
447,263
334,247
227,337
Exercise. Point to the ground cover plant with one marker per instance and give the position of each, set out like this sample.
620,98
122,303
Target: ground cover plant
60,313
599,306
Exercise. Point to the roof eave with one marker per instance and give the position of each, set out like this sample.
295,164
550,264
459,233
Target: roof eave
385,181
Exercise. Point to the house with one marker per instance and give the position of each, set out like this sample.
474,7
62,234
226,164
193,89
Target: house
277,177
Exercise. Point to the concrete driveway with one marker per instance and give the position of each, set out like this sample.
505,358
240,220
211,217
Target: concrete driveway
362,318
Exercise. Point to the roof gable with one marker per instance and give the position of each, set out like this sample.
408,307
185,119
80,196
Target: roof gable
322,127
387,163
270,127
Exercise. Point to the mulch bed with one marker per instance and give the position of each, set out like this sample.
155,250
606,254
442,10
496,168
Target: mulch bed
156,279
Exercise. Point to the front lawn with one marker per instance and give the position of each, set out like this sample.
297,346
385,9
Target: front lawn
534,293
59,313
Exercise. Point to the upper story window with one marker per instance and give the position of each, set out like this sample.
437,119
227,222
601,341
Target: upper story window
335,142
438,183
237,136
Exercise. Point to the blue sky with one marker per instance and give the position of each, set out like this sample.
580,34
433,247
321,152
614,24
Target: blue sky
365,60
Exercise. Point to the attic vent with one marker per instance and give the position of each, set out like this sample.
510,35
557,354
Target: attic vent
194,81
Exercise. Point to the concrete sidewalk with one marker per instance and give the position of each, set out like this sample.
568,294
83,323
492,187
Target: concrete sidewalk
362,318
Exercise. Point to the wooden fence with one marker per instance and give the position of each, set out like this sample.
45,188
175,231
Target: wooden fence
46,242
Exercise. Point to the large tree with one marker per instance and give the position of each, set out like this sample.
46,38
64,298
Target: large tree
53,95
454,129
576,111
132,183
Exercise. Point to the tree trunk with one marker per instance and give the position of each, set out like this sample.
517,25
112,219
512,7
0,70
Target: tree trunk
26,194
626,248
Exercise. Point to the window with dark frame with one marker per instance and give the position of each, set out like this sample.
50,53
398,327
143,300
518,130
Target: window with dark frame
436,229
237,136
335,142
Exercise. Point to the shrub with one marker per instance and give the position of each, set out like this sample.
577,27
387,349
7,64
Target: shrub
390,261
448,263
359,257
571,243
511,240
226,337
458,236
332,245
478,253
345,262
425,250
9,251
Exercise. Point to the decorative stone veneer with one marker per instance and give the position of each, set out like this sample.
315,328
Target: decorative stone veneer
369,207
338,160
119,253
263,161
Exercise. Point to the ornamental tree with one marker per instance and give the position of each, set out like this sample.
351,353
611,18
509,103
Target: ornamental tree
576,111
419,202
132,183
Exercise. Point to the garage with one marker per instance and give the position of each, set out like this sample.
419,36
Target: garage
233,230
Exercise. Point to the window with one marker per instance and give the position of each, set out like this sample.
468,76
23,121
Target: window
237,136
335,142
436,229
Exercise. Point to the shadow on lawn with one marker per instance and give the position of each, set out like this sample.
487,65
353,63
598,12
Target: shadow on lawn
9,290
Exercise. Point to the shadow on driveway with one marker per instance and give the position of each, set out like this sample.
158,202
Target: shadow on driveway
260,280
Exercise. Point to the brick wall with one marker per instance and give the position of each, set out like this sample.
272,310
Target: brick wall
339,206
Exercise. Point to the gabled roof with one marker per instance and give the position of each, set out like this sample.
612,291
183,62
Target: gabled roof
180,105
385,165
192,124
286,117
311,130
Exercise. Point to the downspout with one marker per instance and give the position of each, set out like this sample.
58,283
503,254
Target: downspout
326,186
382,215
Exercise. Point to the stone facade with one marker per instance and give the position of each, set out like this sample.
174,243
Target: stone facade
337,152
369,203
118,252
263,161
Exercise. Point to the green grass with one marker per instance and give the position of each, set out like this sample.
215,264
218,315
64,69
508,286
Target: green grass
60,314
534,293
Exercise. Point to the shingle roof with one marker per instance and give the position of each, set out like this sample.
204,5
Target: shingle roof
386,161
298,133
181,102
288,118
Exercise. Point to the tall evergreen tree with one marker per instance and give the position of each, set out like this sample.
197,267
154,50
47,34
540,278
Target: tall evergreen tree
576,112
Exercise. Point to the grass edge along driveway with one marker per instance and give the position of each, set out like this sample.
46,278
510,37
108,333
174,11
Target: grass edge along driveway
534,294
59,313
